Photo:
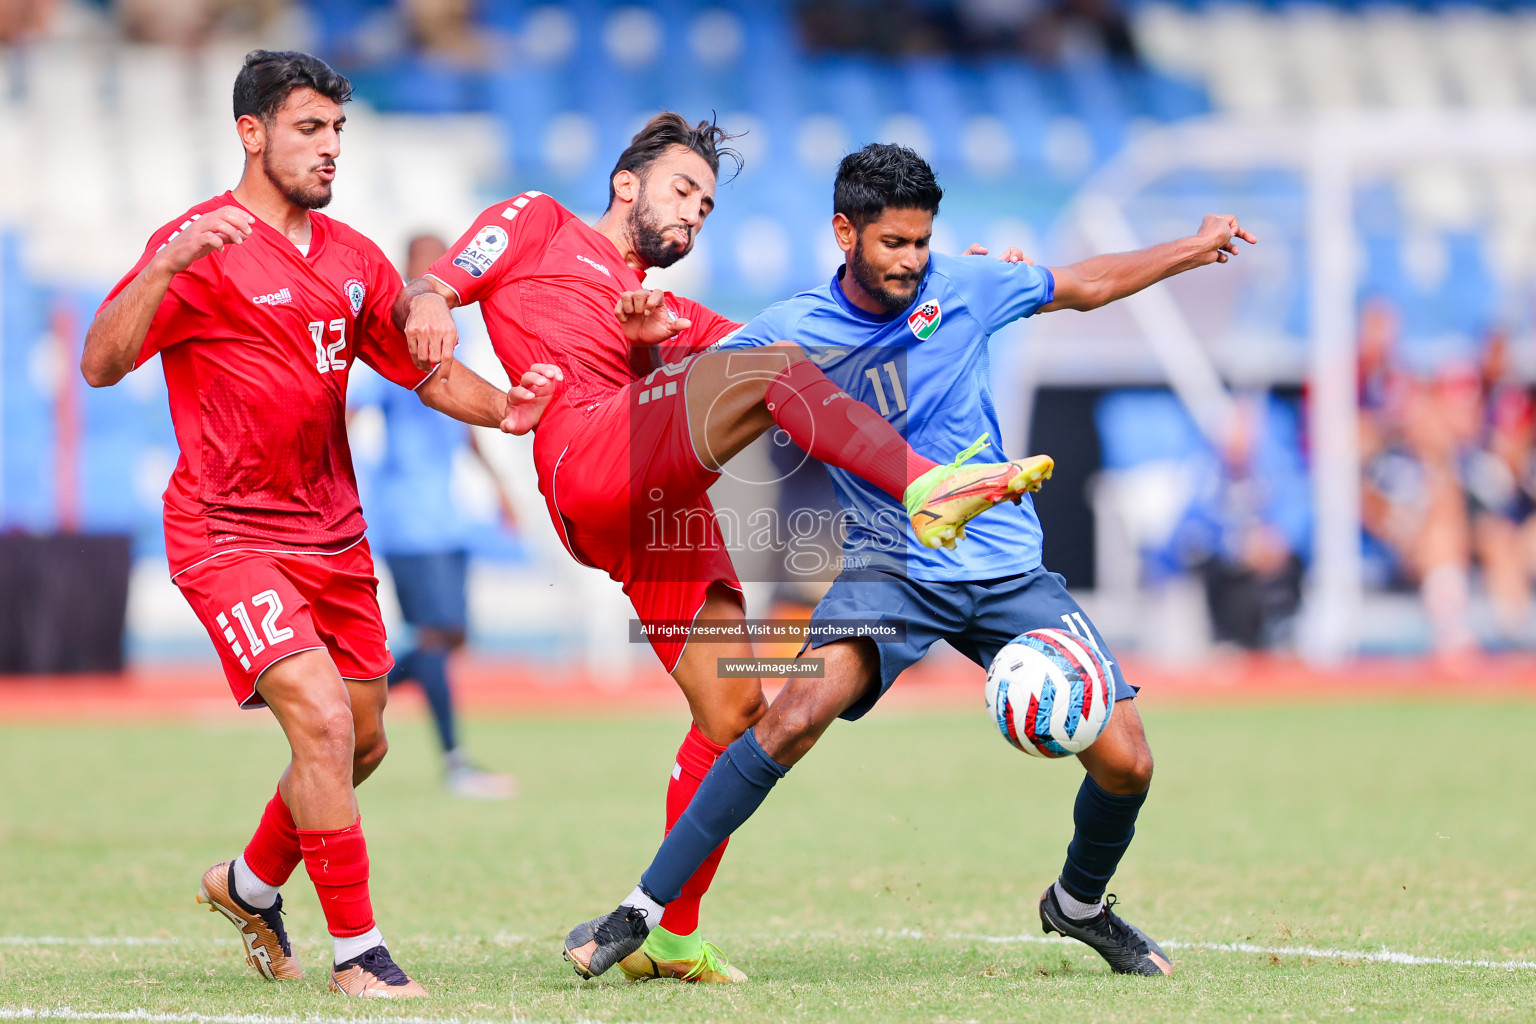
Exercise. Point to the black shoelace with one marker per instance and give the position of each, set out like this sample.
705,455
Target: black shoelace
273,916
628,926
377,962
1118,929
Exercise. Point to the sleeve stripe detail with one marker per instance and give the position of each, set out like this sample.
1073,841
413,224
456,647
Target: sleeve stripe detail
1050,286
455,291
518,204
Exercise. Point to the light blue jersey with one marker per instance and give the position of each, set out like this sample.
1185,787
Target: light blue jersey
410,507
926,370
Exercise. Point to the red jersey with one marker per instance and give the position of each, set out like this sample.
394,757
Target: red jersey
256,341
547,284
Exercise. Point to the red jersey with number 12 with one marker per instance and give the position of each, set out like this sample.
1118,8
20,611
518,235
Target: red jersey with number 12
256,341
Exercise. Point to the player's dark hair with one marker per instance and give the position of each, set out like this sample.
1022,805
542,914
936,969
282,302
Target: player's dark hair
263,84
882,176
668,129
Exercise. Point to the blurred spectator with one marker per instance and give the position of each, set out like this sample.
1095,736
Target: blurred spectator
442,28
1411,436
1045,30
21,20
886,27
190,22
1499,476
1247,527
442,33
415,524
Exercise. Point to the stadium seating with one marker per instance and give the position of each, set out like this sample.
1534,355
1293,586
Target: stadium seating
95,152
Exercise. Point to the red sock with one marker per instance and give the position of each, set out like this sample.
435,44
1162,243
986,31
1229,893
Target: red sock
833,428
694,759
337,862
273,851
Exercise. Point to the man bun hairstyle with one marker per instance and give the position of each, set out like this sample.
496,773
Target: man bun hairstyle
882,176
669,129
269,76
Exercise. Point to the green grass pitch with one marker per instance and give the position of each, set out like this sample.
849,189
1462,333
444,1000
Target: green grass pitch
891,877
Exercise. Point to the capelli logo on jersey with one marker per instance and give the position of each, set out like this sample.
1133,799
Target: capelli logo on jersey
276,298
926,320
596,266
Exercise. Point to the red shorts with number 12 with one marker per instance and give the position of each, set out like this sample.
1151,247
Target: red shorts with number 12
259,607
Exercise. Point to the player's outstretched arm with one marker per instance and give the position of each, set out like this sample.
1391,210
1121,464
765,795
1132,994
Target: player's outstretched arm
116,336
466,397
1102,279
422,311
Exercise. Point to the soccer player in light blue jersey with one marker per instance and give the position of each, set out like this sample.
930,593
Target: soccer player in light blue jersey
906,333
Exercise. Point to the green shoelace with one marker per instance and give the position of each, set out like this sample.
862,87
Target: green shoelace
919,489
710,959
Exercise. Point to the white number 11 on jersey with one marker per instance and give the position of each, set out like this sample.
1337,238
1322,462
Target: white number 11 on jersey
874,378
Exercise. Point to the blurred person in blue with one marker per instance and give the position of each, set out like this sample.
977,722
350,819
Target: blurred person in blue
415,523
1247,527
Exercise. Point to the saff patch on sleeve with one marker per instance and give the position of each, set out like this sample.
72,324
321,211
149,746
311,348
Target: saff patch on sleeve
925,320
482,251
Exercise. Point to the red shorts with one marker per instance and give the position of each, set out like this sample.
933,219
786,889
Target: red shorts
261,606
626,491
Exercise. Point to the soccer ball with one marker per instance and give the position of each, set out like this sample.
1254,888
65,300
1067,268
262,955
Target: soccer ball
1050,692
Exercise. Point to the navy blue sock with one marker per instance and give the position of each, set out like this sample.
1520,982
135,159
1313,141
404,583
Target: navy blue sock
431,674
1105,824
734,788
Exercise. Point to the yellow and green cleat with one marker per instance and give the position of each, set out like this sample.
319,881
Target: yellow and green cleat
944,499
684,957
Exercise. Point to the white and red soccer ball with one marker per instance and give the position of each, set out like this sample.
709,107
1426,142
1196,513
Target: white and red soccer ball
1050,692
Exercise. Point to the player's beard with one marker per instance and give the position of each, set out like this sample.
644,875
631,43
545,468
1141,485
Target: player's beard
308,197
649,237
874,282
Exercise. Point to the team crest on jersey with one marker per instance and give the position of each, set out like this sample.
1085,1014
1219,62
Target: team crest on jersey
926,320
356,293
488,244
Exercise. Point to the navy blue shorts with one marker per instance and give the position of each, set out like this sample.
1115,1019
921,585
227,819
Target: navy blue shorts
977,618
432,588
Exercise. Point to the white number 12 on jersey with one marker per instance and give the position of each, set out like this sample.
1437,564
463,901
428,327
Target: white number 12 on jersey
325,355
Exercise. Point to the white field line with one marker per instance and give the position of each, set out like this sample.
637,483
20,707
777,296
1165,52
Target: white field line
1377,956
148,1017
92,940
1382,955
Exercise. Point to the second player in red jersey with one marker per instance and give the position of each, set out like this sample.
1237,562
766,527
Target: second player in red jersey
258,307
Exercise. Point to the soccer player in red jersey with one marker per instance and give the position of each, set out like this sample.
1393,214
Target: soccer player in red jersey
628,447
258,305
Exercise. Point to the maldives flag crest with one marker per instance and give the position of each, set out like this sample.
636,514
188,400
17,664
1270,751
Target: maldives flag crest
925,320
